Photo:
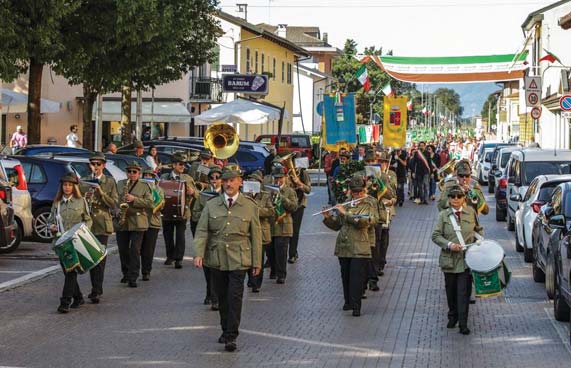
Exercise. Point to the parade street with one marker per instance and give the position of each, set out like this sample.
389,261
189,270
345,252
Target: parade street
163,322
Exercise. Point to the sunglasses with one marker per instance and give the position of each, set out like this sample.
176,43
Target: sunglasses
215,177
132,171
96,163
178,163
464,176
456,196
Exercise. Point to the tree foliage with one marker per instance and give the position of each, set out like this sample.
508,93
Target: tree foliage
450,99
491,107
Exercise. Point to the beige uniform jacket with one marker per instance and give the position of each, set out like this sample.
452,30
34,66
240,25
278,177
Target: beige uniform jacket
304,189
137,218
289,200
72,212
102,205
200,203
229,239
266,213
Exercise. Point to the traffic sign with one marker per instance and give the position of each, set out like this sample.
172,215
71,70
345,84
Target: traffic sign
565,102
532,91
536,113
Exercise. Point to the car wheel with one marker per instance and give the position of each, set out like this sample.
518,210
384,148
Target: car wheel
41,228
500,216
538,274
550,282
16,241
527,255
511,224
561,310
518,246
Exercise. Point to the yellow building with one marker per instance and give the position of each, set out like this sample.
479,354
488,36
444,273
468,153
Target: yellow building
262,52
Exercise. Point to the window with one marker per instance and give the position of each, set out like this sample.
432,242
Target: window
248,65
82,168
300,141
556,201
256,62
533,169
34,174
289,69
505,159
274,69
283,72
263,63
530,191
242,156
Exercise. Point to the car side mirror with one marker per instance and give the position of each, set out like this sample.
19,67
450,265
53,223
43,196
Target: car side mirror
557,222
515,197
548,210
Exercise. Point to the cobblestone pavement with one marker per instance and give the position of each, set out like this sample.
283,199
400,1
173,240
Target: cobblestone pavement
163,323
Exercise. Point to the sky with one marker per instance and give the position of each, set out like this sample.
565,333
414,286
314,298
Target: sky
409,27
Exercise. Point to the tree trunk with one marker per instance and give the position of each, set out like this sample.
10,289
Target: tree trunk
34,97
126,92
89,100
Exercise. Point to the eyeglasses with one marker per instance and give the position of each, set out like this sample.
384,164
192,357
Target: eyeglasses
96,163
215,177
464,176
132,171
456,196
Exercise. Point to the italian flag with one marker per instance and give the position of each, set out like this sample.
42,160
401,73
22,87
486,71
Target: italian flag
409,105
363,77
387,90
550,57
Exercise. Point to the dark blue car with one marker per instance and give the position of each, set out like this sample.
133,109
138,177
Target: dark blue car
39,149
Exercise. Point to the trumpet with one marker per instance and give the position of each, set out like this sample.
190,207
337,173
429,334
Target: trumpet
124,206
350,203
93,184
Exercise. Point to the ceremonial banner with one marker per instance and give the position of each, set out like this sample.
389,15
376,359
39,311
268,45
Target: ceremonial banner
340,126
394,121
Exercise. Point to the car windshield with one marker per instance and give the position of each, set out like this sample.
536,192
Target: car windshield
533,169
546,191
505,159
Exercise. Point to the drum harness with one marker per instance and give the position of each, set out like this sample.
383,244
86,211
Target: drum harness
458,231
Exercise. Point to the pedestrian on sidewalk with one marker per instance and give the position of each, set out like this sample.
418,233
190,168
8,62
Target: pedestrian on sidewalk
72,139
456,225
69,208
19,139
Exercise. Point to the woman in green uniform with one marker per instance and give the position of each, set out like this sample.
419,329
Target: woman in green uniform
458,218
68,209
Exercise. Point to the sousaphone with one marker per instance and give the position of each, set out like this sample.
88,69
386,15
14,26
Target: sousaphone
222,140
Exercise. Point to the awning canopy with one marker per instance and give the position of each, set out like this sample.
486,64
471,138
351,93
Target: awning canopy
453,69
240,111
158,111
16,102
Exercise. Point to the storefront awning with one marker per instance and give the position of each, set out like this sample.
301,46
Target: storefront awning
16,102
158,111
240,112
453,69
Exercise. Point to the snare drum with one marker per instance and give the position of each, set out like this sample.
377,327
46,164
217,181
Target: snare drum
175,199
79,250
489,271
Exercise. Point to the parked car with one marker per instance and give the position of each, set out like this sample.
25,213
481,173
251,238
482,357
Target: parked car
538,194
528,163
11,171
81,166
42,176
483,166
548,237
37,149
500,196
289,143
487,145
562,296
7,221
120,161
500,158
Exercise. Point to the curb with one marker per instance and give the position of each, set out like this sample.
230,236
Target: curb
40,274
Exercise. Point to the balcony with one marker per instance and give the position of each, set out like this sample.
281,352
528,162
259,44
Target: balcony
208,90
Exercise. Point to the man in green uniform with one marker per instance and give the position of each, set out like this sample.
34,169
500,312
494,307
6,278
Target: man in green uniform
229,241
150,238
387,203
463,177
136,198
174,228
301,183
102,198
199,169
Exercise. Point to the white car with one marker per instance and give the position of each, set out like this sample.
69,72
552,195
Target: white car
483,166
538,193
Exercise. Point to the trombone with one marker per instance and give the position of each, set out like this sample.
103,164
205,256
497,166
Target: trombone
350,203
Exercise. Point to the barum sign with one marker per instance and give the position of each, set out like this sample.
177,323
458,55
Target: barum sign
252,84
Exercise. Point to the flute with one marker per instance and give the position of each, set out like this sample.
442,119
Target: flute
348,203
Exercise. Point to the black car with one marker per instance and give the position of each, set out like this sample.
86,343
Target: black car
121,161
38,149
501,197
7,222
551,225
562,254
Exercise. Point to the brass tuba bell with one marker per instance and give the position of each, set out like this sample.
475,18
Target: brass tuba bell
222,140
287,161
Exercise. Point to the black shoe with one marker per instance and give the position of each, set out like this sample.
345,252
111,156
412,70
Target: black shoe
178,264
222,339
373,286
364,296
347,307
292,260
207,300
472,301
168,262
77,302
381,273
255,290
146,277
267,265
272,276
133,284
356,313
214,307
124,280
451,323
400,204
230,346
94,298
280,281
63,308
464,330
250,284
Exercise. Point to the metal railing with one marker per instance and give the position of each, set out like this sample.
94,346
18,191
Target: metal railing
206,89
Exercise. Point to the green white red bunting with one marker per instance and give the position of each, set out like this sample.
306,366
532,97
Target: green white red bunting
387,90
363,77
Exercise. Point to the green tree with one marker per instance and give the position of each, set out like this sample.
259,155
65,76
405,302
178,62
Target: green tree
32,40
450,99
490,107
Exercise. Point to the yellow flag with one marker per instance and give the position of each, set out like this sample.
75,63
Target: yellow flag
394,121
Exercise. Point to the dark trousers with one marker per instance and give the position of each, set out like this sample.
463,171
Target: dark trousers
174,243
422,184
257,280
279,245
400,192
148,250
193,226
229,286
353,277
129,243
458,287
382,248
70,288
210,289
297,216
97,273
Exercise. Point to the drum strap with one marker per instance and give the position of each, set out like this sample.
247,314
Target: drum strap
458,230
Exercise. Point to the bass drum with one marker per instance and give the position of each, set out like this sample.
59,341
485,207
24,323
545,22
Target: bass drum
489,271
175,199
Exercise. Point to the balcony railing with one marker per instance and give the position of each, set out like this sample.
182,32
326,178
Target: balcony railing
206,89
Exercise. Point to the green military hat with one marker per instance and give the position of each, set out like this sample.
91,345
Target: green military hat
150,171
214,169
278,172
370,155
98,156
384,156
456,190
357,183
133,165
70,178
256,175
463,167
139,144
178,157
231,171
205,154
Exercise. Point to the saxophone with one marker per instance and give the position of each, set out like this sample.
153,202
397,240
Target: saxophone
124,206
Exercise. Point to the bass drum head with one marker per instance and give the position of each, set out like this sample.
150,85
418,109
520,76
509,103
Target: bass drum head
69,233
485,256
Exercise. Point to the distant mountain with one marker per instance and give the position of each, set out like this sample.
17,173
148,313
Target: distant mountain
472,95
